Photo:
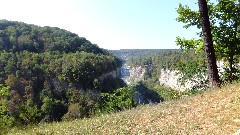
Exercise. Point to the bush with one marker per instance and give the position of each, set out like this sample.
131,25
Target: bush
52,109
75,111
120,99
6,120
29,113
82,104
167,93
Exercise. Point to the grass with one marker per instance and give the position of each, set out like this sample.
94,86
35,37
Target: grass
213,112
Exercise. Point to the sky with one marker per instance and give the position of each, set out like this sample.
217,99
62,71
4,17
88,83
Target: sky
111,24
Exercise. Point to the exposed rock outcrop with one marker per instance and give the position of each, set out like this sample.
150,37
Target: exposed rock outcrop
116,73
171,78
135,74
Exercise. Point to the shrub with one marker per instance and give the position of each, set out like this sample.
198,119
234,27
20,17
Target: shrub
75,111
120,99
167,93
81,104
29,113
52,109
6,120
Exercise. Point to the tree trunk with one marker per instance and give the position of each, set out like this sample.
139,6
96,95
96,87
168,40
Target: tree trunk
230,76
213,76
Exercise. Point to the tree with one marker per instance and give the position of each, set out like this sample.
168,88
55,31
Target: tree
210,52
227,31
224,22
120,99
7,120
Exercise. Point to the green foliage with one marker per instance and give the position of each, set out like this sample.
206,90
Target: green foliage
148,95
45,78
41,66
29,113
75,111
5,117
82,104
167,93
235,71
109,84
166,58
120,99
18,36
193,91
190,44
193,69
156,93
52,109
224,19
4,91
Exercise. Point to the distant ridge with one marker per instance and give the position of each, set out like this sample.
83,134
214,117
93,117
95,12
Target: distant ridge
18,36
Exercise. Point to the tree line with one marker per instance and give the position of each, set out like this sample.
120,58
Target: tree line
19,36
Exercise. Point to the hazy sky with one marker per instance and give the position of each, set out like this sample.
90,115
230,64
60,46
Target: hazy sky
112,24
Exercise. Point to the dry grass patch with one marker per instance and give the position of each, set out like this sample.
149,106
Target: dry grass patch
213,112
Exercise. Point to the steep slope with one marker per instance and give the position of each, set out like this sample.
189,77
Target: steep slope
48,72
213,112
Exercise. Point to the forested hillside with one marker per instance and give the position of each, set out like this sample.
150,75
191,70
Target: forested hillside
50,74
142,56
18,36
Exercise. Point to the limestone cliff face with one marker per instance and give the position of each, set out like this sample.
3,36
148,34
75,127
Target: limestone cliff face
133,74
171,78
116,73
167,77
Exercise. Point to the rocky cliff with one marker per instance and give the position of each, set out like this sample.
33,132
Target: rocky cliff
115,73
171,78
167,77
133,74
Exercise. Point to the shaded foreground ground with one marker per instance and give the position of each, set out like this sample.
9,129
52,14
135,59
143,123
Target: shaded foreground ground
213,112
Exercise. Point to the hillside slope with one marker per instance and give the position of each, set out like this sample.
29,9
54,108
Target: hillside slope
18,36
213,112
46,72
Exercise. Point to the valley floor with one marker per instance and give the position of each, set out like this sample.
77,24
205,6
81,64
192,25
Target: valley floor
213,112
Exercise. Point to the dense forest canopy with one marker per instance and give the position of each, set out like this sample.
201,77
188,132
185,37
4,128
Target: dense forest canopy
49,74
142,56
19,36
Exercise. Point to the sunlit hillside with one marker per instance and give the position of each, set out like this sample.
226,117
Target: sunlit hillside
213,112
